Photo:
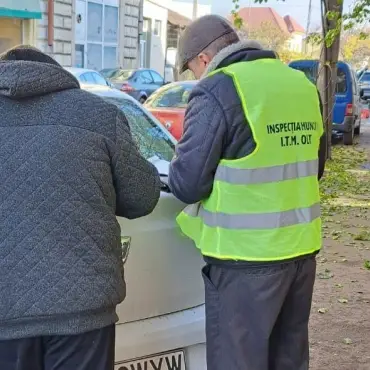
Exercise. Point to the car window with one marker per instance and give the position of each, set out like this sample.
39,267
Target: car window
107,72
89,78
365,77
310,72
145,77
100,80
151,139
82,78
121,74
341,87
157,78
175,96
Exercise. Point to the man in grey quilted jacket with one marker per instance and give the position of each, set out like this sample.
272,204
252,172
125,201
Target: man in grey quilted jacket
68,167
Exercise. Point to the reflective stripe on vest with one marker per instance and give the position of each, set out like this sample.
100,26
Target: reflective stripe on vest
255,221
265,206
267,174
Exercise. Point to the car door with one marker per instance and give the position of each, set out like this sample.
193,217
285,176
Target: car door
163,266
146,82
342,96
356,96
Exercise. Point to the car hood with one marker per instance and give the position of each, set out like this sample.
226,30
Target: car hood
162,166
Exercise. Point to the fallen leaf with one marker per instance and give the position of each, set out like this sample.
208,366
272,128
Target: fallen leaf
322,310
338,285
342,300
347,341
363,236
327,274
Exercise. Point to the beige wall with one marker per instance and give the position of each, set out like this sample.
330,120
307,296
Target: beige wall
130,24
10,33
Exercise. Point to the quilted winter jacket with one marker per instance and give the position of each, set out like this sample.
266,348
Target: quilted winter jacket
68,166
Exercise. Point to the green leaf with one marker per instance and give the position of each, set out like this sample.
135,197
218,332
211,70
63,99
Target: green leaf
367,265
363,236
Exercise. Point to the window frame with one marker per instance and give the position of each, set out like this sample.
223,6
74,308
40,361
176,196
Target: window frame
157,31
85,41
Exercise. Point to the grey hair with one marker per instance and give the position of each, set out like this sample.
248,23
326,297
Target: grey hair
221,43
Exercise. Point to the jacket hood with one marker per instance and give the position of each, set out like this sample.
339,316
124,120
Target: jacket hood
27,72
241,51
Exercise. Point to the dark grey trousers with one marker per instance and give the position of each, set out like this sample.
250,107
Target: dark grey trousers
88,351
257,315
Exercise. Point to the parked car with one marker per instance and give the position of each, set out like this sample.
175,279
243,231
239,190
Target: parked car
347,107
140,83
89,76
364,82
169,103
161,322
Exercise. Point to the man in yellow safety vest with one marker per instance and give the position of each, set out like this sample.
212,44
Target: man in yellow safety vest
248,165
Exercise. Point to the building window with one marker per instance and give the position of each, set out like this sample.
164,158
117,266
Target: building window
157,28
97,35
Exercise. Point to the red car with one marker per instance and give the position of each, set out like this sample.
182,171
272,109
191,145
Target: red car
168,105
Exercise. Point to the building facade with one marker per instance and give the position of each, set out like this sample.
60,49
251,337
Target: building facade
154,37
92,34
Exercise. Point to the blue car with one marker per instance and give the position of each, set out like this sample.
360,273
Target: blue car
347,107
139,83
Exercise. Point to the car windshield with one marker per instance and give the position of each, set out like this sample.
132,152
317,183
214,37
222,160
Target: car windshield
107,72
365,77
120,74
151,139
175,96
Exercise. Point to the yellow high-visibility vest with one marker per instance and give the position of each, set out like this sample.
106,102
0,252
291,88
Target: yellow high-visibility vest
265,206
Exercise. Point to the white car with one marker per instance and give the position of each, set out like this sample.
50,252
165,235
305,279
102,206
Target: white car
89,77
162,320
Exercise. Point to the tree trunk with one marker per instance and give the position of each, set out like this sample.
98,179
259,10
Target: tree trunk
328,67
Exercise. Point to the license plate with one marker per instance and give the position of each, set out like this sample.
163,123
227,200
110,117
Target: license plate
165,361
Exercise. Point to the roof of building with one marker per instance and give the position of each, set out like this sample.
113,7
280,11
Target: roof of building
255,16
293,25
177,19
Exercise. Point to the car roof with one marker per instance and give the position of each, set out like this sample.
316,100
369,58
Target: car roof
106,91
79,71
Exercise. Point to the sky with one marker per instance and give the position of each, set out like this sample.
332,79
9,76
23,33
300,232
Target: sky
296,8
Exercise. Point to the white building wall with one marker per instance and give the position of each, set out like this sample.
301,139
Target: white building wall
185,8
295,42
158,42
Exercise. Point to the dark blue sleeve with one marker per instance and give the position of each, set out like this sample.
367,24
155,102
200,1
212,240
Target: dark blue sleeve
200,149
